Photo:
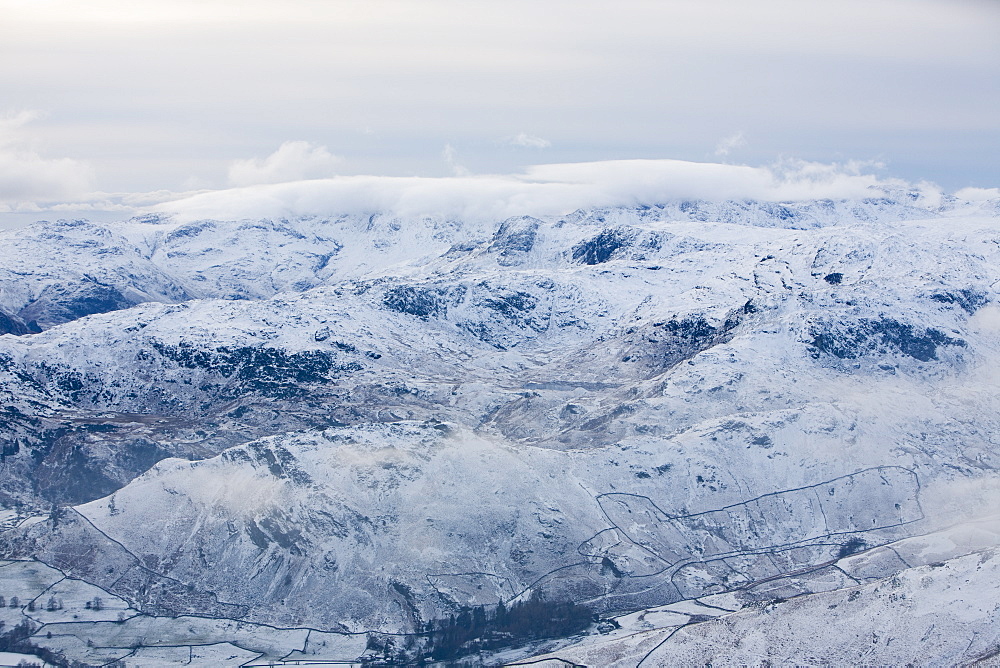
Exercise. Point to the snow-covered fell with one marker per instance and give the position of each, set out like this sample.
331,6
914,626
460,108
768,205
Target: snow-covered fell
361,424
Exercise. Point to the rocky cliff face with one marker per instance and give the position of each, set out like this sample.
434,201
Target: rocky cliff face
365,424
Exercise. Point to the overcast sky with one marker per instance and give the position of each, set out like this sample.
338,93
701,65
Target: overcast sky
144,98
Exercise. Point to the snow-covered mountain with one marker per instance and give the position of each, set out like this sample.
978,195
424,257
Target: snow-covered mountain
57,272
362,425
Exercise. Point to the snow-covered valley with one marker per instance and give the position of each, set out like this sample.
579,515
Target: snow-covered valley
322,438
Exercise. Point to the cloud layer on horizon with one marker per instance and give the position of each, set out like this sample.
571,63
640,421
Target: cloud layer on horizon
297,180
538,190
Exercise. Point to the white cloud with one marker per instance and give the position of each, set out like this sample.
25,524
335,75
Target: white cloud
986,321
726,145
978,194
27,178
527,141
450,155
11,122
293,161
539,190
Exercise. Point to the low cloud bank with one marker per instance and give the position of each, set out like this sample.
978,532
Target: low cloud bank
538,190
978,194
551,189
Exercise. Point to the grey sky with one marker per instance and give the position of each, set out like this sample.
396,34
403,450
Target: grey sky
136,96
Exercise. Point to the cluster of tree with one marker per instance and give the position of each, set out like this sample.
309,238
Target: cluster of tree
53,604
18,640
481,629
